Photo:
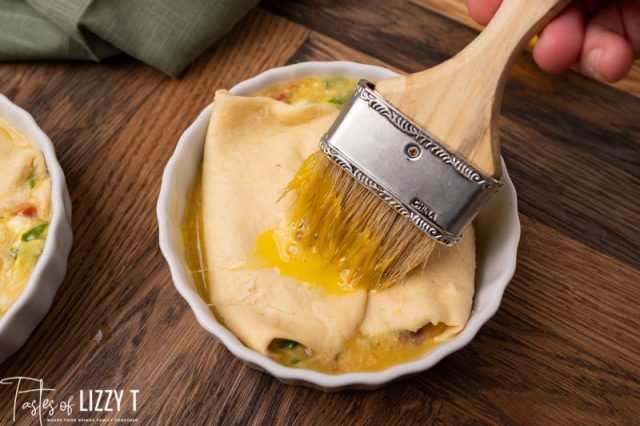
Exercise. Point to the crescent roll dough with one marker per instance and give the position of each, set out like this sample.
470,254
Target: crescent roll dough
254,146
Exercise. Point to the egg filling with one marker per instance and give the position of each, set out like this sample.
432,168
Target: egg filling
25,191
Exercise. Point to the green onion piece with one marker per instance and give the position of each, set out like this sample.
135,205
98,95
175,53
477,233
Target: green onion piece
339,100
294,361
288,344
34,232
13,252
32,182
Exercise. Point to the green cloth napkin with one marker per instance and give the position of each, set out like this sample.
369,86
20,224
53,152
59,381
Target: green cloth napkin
167,34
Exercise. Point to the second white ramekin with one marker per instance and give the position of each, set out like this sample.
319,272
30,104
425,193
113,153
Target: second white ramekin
34,302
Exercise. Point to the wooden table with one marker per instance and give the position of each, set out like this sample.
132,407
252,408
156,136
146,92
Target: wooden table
563,349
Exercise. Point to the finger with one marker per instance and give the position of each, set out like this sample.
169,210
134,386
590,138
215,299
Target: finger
560,43
483,10
606,56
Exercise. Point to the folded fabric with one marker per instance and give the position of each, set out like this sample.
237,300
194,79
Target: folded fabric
167,34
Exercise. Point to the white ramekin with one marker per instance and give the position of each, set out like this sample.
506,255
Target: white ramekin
35,301
498,234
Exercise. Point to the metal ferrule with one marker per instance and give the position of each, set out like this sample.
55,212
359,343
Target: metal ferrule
406,167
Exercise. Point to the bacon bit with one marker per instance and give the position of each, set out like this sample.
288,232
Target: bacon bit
28,211
281,96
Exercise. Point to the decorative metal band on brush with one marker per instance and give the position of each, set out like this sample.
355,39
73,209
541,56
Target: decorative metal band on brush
438,191
378,104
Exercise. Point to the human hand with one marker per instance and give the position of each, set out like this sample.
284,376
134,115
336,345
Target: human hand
602,36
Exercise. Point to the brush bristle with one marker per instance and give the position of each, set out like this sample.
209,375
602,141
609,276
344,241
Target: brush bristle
348,224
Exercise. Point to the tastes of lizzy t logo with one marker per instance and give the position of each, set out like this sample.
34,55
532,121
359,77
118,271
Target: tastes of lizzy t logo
32,397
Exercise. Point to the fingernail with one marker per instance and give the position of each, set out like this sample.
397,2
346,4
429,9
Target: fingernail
593,61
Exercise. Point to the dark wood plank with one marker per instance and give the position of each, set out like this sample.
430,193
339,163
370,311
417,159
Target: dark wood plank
401,34
571,143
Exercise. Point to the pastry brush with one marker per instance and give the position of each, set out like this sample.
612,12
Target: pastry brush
410,160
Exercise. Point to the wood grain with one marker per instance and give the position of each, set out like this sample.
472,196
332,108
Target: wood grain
561,350
457,11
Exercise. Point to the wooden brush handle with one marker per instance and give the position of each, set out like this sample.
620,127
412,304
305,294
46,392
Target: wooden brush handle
458,101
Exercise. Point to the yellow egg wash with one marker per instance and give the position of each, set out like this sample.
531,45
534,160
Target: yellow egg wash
309,258
193,237
296,253
360,260
278,249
